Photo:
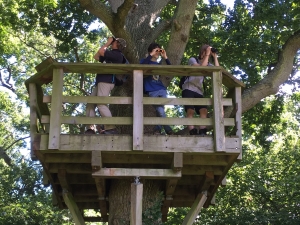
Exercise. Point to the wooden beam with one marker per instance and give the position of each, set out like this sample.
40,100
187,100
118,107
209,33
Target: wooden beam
238,117
72,206
138,110
96,160
136,204
33,117
218,113
170,188
101,189
152,144
62,177
177,163
129,120
183,101
128,172
207,181
195,209
56,108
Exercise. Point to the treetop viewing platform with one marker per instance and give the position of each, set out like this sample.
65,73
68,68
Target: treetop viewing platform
81,168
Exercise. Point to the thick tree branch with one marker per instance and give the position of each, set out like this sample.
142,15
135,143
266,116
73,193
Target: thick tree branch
100,10
281,72
164,25
3,154
122,12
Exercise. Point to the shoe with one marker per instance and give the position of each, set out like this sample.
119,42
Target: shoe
202,132
156,132
111,131
90,131
194,131
170,132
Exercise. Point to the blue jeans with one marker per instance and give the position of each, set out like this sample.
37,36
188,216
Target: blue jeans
160,109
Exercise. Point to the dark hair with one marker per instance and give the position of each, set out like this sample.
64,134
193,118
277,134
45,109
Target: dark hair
153,46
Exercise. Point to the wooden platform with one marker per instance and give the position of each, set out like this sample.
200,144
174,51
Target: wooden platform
80,168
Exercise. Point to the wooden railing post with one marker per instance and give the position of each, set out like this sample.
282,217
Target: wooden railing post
238,116
56,108
33,116
138,110
218,112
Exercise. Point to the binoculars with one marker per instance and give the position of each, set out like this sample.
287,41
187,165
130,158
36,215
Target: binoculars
160,50
214,50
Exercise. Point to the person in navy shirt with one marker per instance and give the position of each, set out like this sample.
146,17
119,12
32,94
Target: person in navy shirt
153,86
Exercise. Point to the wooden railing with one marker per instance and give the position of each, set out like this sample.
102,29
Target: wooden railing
56,72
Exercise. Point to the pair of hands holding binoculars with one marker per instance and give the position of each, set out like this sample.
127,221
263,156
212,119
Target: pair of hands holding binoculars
159,51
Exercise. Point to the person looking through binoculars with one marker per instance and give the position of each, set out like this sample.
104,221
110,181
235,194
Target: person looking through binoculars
153,85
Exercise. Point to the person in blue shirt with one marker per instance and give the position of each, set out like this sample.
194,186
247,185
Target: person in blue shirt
153,86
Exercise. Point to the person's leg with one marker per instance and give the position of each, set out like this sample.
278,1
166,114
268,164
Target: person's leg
203,114
189,109
159,110
90,112
104,89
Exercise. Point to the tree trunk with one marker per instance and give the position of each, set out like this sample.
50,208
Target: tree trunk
119,199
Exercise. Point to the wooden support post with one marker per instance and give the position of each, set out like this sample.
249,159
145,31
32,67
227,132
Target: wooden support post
238,117
75,212
219,131
68,198
195,209
96,160
33,117
100,185
138,110
136,204
177,161
56,107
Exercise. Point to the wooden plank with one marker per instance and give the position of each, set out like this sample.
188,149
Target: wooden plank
207,181
138,110
146,100
44,77
238,117
72,206
185,121
62,177
33,117
183,101
129,172
136,204
56,108
101,189
96,160
146,158
92,99
219,131
129,120
195,209
91,120
152,144
177,163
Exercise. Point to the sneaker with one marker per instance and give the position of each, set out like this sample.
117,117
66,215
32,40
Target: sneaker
194,131
111,131
156,132
90,131
202,132
170,132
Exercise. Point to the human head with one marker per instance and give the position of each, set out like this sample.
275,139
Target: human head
121,43
202,51
153,46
